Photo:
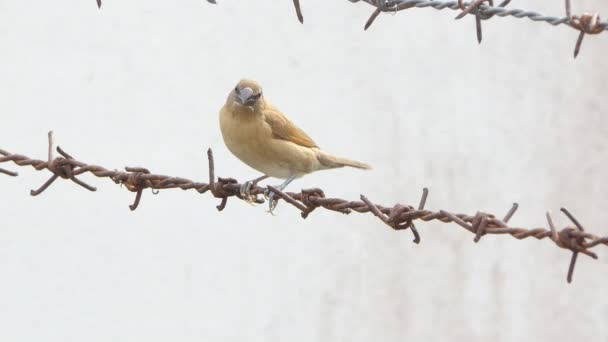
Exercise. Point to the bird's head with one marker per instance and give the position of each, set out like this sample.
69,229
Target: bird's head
247,93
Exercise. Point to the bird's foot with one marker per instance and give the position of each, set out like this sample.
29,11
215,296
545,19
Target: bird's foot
245,192
272,201
271,196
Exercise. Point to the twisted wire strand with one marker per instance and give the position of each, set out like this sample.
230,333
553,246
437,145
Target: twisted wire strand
585,23
397,217
399,5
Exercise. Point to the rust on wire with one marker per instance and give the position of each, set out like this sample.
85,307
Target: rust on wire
586,23
574,253
481,220
398,217
60,167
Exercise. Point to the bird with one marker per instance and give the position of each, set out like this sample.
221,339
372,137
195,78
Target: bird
262,137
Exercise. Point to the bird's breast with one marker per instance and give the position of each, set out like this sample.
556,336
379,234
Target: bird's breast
251,140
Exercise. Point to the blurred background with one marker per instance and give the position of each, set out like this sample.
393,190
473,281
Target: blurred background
140,83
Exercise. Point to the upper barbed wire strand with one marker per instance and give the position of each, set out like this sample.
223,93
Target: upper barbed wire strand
399,5
585,23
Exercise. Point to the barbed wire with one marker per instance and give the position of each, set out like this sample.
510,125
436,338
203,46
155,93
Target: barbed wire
586,23
397,217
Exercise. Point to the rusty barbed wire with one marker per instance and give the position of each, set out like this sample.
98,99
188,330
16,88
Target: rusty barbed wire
397,217
585,23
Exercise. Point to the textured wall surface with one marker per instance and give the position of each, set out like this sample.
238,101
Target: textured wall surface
140,83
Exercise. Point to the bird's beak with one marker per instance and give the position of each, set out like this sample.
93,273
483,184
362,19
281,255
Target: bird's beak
245,97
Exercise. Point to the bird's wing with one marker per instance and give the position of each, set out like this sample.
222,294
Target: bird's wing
283,128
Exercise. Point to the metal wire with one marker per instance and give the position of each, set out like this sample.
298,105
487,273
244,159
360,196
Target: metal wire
585,23
397,217
485,10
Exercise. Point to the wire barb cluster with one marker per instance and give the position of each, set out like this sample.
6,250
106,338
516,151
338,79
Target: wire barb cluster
397,217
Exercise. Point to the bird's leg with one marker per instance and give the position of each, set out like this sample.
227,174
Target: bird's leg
246,187
272,202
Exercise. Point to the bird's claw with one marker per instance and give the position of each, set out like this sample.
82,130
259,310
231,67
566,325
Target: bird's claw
272,202
245,192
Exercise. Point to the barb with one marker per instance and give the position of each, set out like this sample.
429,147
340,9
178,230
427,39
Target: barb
398,217
586,23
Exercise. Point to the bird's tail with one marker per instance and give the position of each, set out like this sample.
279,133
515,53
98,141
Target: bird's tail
328,161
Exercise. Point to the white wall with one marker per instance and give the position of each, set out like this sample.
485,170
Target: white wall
139,83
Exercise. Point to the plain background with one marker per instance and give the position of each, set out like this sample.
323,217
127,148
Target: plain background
140,83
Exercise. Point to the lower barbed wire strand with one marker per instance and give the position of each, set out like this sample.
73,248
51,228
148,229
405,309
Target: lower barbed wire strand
398,217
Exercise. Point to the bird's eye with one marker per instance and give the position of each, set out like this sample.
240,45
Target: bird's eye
236,89
257,96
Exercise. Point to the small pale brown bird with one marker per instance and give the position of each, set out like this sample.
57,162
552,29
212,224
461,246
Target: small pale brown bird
262,137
